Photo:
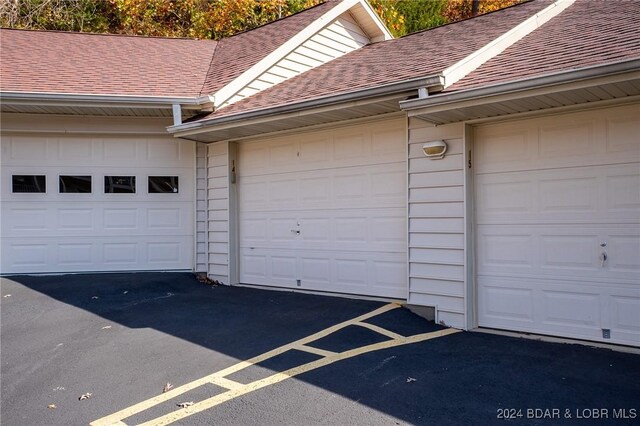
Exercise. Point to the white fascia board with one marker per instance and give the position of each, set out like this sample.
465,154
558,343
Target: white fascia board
334,102
540,85
224,94
384,31
77,99
463,67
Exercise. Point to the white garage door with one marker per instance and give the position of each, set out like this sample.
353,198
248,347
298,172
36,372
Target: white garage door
558,225
60,231
326,210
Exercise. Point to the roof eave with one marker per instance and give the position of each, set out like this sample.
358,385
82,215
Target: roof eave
523,88
79,100
335,101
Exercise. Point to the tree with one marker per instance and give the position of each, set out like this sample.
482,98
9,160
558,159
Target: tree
456,10
421,14
67,15
217,18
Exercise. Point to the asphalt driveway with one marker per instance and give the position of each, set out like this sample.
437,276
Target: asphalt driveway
123,337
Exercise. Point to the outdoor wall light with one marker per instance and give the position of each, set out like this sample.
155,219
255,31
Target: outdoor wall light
435,149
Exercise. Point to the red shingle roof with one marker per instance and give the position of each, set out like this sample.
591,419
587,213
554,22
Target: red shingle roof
418,55
240,52
104,64
65,62
587,33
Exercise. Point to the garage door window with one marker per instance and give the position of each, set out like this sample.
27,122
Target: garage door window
29,183
163,184
75,184
120,184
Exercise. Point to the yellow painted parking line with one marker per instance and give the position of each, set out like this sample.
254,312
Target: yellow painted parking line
238,389
379,330
226,383
313,350
279,377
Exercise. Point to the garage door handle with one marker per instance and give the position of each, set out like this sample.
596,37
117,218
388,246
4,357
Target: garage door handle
296,231
603,258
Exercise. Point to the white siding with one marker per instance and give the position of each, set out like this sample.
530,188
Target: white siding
201,208
436,222
218,211
341,36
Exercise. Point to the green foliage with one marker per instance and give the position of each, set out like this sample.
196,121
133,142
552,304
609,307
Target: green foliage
216,18
67,15
421,14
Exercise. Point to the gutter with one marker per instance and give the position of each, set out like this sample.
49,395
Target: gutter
176,104
434,82
447,101
61,99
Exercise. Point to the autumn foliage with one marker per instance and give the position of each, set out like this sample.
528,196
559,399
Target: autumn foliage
216,18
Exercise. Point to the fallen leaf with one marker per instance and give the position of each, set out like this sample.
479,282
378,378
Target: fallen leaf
6,295
167,388
95,297
106,327
52,406
206,280
411,379
185,404
125,292
84,396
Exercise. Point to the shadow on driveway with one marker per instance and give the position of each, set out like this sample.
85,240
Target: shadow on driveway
123,336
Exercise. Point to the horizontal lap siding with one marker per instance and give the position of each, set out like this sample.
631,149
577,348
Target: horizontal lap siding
217,228
436,222
201,208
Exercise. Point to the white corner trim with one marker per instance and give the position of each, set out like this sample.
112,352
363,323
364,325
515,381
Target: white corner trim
229,90
463,67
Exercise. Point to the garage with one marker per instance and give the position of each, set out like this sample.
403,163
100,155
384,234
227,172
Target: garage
325,210
95,201
557,218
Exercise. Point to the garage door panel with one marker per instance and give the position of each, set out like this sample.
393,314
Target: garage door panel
559,250
623,253
340,148
625,313
622,132
325,212
558,225
500,301
576,140
374,274
80,254
578,308
97,195
623,195
359,230
97,150
96,231
566,139
602,194
505,250
371,186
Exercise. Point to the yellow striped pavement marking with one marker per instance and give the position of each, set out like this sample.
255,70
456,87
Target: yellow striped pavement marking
379,330
314,350
238,389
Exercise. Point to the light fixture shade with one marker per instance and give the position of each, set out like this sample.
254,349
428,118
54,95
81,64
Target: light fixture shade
435,149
